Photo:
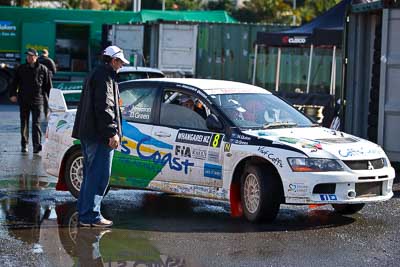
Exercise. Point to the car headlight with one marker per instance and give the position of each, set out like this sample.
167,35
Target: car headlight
385,163
314,165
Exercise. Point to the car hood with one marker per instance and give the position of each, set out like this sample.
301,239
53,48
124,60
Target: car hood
321,142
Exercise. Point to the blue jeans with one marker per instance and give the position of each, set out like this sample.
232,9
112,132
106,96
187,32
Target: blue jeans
97,161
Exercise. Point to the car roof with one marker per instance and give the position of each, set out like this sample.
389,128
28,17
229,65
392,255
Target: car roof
139,69
211,86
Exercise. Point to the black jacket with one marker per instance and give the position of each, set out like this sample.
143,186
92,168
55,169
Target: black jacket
49,63
31,84
98,116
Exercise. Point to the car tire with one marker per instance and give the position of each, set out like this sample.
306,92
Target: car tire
347,209
260,194
74,173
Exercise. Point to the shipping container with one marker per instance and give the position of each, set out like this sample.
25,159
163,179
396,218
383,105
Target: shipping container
372,75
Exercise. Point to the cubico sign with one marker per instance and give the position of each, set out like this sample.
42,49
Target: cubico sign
294,39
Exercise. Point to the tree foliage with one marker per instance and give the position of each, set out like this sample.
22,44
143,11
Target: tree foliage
226,5
183,4
313,8
265,11
281,11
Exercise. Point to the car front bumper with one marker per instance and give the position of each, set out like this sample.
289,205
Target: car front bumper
349,187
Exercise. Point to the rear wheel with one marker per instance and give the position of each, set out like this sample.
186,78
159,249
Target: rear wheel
348,208
260,194
74,172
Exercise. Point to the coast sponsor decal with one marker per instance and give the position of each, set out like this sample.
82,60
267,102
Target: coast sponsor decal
269,155
212,171
199,138
158,157
142,143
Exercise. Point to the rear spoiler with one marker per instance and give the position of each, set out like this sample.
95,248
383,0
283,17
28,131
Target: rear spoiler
63,100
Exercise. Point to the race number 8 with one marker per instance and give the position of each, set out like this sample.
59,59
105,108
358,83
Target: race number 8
216,140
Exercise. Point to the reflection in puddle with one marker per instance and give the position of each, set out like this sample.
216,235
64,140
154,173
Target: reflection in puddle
53,231
26,182
49,227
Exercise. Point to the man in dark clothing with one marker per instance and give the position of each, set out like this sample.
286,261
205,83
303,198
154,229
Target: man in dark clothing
98,126
30,86
49,63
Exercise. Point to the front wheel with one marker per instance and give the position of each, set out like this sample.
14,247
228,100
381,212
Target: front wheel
261,194
347,209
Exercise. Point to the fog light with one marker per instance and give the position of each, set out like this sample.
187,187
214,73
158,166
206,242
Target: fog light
351,194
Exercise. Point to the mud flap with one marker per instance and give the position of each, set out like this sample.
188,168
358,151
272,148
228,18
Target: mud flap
235,201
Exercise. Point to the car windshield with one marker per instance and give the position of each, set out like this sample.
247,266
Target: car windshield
127,76
260,111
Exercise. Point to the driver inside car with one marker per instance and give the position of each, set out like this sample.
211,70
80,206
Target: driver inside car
254,111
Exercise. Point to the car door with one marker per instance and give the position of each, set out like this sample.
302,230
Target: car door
132,167
195,157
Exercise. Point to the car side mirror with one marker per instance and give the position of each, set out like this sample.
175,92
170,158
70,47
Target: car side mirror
213,123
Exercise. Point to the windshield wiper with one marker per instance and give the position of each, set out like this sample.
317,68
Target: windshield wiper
280,125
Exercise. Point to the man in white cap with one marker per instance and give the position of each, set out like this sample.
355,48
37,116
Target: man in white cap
98,127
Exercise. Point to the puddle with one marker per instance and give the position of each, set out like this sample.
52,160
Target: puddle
53,231
25,182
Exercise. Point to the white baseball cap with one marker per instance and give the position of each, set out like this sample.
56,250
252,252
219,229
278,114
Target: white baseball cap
115,52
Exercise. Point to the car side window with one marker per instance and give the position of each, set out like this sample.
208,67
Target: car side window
137,104
183,111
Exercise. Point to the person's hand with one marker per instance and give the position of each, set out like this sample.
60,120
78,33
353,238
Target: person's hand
113,142
13,99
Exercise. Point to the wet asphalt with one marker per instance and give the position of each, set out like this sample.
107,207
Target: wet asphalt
38,226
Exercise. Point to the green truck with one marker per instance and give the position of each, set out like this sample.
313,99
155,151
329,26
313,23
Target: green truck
74,38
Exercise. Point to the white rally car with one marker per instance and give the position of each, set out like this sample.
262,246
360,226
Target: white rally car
228,141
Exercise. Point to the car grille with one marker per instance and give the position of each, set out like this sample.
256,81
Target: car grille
369,189
365,164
